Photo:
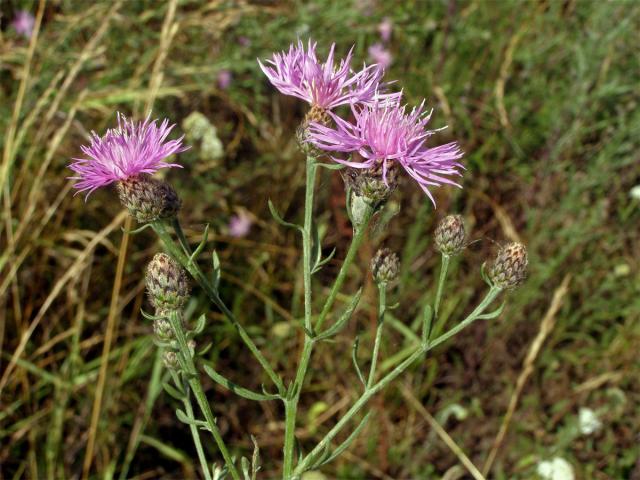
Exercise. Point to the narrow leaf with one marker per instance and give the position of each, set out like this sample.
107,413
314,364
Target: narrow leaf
354,357
331,166
215,275
344,318
323,262
280,220
494,314
427,323
197,251
344,445
238,390
173,391
190,421
200,323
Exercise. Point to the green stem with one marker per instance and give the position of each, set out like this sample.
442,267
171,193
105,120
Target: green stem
382,306
194,382
443,275
203,281
356,242
291,403
387,379
188,408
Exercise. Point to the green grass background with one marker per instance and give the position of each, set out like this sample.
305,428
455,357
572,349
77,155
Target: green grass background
544,99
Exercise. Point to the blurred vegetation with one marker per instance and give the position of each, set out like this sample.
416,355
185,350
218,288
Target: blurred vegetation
543,97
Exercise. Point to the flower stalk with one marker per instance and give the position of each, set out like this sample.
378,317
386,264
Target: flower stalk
191,373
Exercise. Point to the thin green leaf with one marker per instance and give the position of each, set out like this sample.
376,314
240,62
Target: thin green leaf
190,421
215,275
200,323
320,263
331,166
344,318
354,357
238,390
278,218
494,314
173,391
205,236
344,445
137,230
427,323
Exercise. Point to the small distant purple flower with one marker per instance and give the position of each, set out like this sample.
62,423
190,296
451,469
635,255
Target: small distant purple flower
244,41
299,73
380,55
131,149
384,134
239,225
385,28
23,23
224,79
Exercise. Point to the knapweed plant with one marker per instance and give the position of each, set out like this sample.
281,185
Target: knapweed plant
355,125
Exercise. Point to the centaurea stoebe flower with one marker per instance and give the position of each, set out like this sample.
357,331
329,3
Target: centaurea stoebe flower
324,86
385,135
131,149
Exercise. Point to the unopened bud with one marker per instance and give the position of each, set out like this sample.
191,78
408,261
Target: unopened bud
170,359
385,266
315,114
371,185
167,283
148,199
509,269
163,329
449,236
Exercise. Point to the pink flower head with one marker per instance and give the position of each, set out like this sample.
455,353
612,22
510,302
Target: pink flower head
383,134
224,79
380,55
385,28
126,151
239,225
299,73
23,23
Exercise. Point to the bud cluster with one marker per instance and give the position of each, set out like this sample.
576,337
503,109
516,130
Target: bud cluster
385,266
148,199
509,269
450,235
167,283
168,289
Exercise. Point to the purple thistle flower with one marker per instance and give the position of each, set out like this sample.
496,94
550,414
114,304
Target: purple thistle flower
225,77
239,225
299,73
385,28
23,23
124,152
380,55
384,135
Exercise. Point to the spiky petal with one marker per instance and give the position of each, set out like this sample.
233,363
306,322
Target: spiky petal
299,73
384,134
131,149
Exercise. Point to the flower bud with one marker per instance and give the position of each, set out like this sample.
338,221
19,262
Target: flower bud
509,269
170,360
385,266
315,114
167,283
148,199
450,235
370,184
163,329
